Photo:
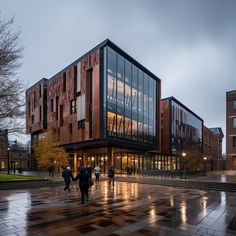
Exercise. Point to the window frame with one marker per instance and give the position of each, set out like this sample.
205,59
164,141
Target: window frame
234,122
234,142
73,106
234,104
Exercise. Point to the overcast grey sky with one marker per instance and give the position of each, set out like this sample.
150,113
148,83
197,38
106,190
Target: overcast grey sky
189,44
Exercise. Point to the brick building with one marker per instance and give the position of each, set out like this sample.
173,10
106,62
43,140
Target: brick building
207,149
181,134
231,130
217,161
104,107
3,149
212,149
12,153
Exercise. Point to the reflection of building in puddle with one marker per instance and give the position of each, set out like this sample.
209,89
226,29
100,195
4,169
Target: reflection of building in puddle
152,214
134,190
204,205
223,178
222,198
183,209
19,202
172,200
107,190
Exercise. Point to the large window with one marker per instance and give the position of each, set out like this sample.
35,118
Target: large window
120,96
134,102
130,104
234,104
234,122
234,142
73,106
128,95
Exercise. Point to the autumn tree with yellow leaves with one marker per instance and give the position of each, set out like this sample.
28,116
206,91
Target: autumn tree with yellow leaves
48,151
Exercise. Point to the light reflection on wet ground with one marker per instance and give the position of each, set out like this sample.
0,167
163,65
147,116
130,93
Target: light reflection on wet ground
129,208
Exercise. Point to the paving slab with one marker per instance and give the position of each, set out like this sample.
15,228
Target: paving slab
127,209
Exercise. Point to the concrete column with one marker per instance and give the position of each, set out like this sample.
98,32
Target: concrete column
110,155
75,167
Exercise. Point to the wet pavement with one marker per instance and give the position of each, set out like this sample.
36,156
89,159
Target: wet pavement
126,209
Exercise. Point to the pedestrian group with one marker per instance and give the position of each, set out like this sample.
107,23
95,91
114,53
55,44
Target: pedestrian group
84,178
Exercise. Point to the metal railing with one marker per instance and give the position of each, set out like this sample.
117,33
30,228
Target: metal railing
182,174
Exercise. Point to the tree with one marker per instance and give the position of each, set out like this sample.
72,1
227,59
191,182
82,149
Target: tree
192,159
48,151
12,90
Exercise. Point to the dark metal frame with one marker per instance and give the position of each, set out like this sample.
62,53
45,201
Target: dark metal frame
103,77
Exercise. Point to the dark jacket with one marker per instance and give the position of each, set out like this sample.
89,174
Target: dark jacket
111,172
89,171
83,177
67,174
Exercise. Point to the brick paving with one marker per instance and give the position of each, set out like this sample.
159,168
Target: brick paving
127,209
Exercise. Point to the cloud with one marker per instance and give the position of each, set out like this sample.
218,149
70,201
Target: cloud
189,44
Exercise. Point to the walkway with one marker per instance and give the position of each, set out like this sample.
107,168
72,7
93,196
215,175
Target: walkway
222,181
128,209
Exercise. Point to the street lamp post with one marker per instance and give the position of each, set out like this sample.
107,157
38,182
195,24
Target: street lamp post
8,161
183,156
205,159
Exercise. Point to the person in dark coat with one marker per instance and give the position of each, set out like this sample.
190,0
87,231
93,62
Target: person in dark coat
111,175
83,178
67,175
89,171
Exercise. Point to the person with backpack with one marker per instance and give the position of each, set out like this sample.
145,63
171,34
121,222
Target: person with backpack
67,175
83,178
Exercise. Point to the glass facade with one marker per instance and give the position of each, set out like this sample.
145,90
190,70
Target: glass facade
129,100
123,159
186,130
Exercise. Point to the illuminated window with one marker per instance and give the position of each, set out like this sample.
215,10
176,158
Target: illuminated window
72,106
130,100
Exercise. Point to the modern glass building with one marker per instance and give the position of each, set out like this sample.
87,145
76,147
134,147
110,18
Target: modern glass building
130,100
105,107
182,133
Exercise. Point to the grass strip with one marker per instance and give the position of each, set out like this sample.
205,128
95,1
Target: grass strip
10,177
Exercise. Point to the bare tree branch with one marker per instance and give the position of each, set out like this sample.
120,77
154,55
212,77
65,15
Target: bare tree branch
12,90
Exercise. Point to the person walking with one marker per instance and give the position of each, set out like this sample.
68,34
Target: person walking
51,171
97,171
89,171
67,175
111,175
127,170
83,178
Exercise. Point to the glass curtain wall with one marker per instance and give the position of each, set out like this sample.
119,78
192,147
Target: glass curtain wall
130,104
186,130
